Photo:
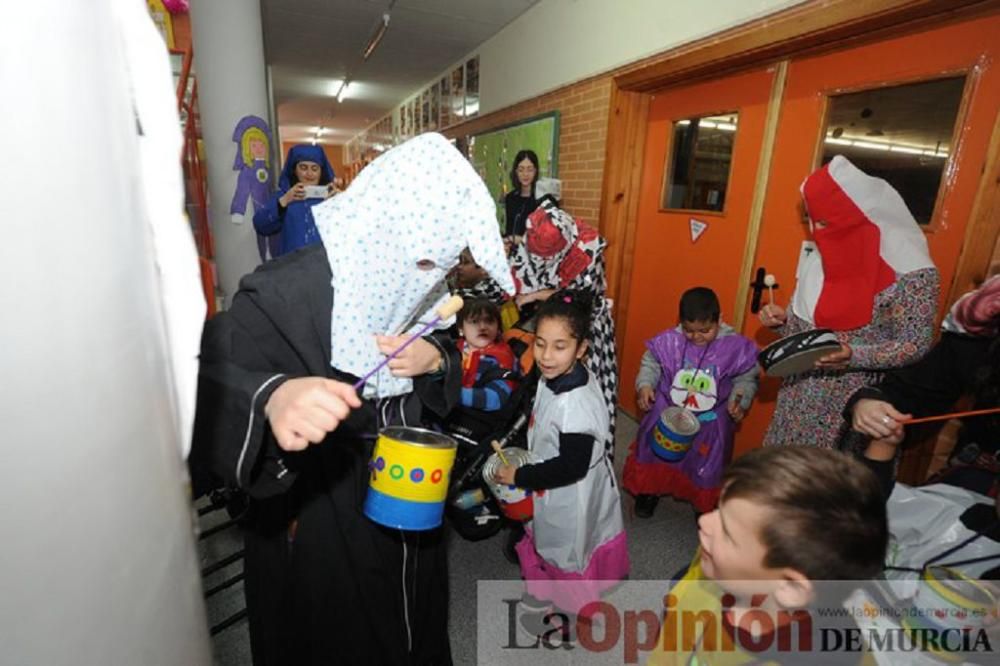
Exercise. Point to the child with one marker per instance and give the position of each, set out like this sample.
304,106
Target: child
706,367
787,519
577,534
487,361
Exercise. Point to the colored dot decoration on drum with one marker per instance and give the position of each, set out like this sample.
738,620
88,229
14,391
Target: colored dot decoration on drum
398,472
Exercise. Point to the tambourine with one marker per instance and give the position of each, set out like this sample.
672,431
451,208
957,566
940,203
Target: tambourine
797,353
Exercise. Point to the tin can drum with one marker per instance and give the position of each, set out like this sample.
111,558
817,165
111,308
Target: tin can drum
408,478
516,503
673,434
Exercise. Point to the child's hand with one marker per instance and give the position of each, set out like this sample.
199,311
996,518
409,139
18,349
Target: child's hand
645,397
505,474
735,406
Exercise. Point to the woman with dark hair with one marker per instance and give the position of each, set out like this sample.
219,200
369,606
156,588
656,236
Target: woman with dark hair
521,200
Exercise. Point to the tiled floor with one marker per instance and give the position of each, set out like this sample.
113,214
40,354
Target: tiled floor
658,547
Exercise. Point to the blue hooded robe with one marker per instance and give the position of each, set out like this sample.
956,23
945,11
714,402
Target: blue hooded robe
295,223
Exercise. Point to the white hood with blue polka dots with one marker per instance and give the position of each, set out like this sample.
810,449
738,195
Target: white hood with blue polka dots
420,202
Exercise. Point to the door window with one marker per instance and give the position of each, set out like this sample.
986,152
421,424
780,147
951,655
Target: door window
700,161
902,133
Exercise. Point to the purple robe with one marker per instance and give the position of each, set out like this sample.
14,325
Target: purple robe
713,368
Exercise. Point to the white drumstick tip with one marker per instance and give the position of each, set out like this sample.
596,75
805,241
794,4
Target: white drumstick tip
450,307
770,280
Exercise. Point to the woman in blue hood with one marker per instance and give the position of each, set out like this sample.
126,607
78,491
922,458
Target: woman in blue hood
288,210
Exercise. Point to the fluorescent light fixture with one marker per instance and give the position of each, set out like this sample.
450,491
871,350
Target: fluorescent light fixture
891,147
333,87
706,123
376,37
871,146
343,89
906,149
684,122
726,127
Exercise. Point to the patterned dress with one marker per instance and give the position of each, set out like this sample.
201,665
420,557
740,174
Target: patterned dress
574,259
810,406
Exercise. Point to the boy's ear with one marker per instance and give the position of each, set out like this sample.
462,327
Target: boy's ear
795,589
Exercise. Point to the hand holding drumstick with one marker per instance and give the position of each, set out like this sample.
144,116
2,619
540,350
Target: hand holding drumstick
505,473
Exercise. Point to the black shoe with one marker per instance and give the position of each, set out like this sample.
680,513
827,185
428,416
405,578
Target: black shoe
514,534
645,505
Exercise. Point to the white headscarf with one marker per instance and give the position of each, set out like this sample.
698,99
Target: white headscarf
420,201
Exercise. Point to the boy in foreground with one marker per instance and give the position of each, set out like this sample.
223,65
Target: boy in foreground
788,519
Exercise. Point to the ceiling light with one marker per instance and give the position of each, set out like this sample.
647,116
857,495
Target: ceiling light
871,146
377,36
343,89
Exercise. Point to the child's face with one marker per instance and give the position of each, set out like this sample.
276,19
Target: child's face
556,350
700,333
468,273
481,331
307,172
731,547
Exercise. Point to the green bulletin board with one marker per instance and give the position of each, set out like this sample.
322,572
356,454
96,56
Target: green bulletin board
493,152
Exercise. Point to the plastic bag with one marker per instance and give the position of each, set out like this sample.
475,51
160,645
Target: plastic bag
925,522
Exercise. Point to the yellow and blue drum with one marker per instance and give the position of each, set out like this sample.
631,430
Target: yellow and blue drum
948,600
674,433
409,474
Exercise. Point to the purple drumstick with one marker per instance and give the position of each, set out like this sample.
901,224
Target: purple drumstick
450,307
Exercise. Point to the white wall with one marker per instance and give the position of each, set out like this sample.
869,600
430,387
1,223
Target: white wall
98,561
558,42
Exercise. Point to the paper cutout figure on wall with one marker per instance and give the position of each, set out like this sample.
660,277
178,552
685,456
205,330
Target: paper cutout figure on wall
253,161
697,228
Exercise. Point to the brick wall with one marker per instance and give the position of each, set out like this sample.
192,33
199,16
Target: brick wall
583,129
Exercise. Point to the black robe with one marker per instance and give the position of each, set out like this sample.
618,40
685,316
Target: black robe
334,593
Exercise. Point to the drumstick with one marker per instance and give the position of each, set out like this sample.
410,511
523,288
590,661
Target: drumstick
450,307
769,282
953,415
499,450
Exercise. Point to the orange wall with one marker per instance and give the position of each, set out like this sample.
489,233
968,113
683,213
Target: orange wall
333,153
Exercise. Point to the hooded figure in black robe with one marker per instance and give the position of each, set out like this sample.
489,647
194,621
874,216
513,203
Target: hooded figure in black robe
324,584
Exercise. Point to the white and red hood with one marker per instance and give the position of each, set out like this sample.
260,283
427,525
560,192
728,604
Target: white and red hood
870,237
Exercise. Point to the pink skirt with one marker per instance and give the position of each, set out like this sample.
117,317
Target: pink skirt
572,590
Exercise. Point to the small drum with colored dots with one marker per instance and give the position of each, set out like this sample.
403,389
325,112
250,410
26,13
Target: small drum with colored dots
516,503
673,433
949,601
409,474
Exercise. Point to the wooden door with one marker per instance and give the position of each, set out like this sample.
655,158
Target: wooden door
667,260
966,52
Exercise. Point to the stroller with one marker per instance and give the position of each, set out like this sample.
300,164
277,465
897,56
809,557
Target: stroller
470,506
